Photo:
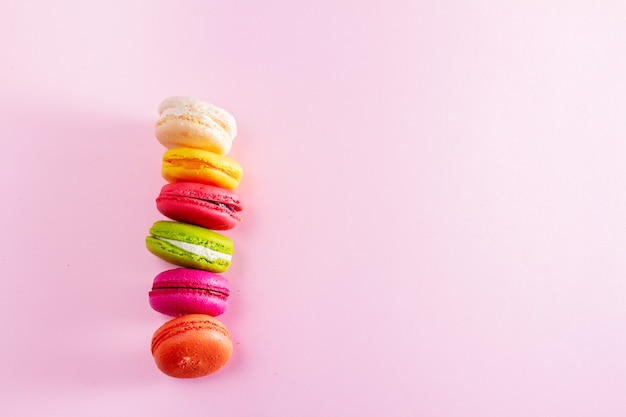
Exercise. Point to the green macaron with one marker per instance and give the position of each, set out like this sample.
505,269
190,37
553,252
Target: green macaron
190,246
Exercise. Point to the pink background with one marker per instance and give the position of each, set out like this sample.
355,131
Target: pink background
435,207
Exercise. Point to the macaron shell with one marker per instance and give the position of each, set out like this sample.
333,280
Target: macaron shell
191,346
185,291
180,257
189,234
172,302
199,204
194,165
192,123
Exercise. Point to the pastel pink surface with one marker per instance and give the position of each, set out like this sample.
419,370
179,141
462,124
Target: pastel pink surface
200,204
435,210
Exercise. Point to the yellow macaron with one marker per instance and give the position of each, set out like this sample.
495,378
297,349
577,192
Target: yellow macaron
195,165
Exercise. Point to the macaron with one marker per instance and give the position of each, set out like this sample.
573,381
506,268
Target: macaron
195,165
187,122
201,204
190,246
184,291
191,346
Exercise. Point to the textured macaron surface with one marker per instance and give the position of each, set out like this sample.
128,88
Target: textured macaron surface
184,291
195,165
200,204
193,123
191,346
190,246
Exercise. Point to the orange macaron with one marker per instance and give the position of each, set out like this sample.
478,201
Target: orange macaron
191,346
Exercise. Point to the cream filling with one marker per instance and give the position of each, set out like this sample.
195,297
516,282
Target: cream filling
203,251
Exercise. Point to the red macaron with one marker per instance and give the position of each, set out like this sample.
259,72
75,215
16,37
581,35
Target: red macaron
200,204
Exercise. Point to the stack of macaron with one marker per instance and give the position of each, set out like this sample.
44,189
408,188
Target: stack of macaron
198,199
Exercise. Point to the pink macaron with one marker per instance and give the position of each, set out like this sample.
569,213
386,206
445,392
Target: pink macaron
187,291
200,204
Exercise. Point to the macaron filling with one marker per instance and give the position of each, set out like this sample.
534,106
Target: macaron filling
190,163
222,205
229,207
198,250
